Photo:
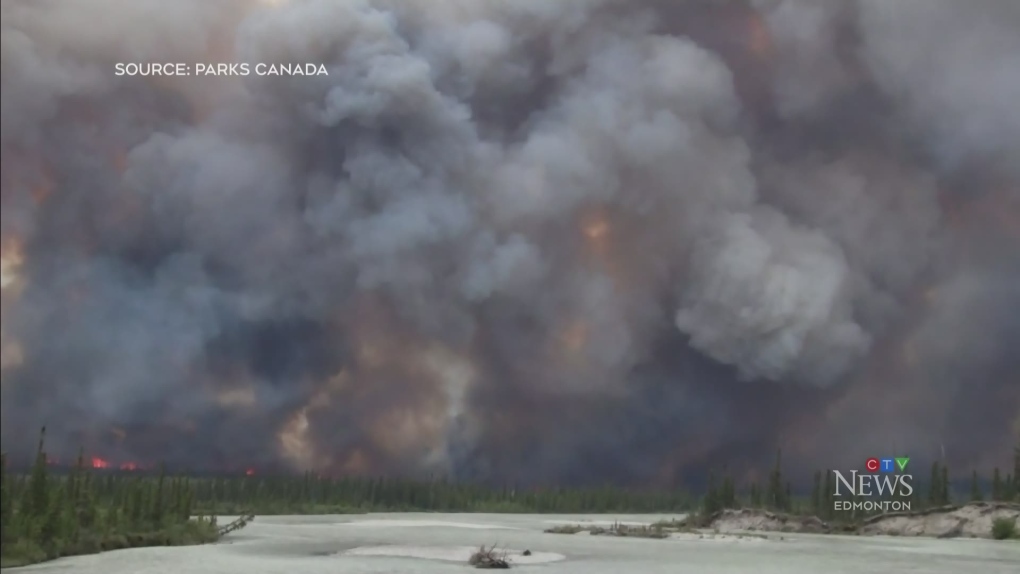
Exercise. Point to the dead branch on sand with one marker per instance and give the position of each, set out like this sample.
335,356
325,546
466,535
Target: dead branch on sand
488,558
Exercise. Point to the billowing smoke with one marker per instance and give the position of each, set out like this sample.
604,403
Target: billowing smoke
529,241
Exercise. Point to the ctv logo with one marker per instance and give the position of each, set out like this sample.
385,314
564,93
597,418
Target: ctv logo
884,478
886,465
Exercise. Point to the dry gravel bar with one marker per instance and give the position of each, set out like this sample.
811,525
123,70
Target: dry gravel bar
441,543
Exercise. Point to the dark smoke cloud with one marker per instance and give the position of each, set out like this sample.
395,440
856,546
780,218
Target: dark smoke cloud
528,241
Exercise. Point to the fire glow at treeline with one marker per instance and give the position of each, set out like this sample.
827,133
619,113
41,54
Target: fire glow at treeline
530,242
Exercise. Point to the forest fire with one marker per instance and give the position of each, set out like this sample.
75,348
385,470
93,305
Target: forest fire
759,38
574,336
42,192
11,260
670,208
99,463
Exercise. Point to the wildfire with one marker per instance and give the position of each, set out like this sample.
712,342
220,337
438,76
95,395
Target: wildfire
596,229
120,161
11,260
11,353
294,440
249,472
758,37
574,336
357,463
99,463
242,397
42,191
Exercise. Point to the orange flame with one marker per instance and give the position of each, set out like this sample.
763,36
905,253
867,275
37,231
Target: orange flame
120,161
43,190
99,463
11,259
250,472
759,39
596,229
574,336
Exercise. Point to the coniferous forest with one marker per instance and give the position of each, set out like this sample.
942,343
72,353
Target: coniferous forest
47,514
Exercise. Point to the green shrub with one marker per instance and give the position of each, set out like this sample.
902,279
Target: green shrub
1005,529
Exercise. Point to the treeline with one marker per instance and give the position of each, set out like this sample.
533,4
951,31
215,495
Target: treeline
940,489
310,494
45,516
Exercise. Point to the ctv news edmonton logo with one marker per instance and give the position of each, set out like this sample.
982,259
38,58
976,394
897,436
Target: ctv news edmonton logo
884,485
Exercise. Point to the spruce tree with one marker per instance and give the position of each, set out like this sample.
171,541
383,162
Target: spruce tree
816,495
729,493
755,495
1015,482
935,485
157,502
711,503
945,497
997,490
6,504
975,488
774,496
828,496
38,502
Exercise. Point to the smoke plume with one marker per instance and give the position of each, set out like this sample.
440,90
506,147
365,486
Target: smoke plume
512,241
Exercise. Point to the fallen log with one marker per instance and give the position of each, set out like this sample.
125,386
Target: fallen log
236,525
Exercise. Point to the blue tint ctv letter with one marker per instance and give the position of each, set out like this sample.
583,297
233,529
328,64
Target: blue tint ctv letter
888,465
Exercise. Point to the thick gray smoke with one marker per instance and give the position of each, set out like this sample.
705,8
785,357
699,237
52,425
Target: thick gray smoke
518,240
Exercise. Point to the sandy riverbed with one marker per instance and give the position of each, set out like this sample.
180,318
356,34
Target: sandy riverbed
440,543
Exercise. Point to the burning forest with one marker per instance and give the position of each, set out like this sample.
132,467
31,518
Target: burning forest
540,242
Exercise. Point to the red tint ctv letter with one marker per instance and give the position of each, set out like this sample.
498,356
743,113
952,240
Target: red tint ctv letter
872,465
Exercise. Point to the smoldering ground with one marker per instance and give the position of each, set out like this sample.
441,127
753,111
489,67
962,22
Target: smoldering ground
531,241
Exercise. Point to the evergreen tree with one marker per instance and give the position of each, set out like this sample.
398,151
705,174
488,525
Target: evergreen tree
1016,470
6,503
729,493
38,502
755,495
975,488
157,502
829,496
945,497
712,502
935,485
774,496
997,490
816,495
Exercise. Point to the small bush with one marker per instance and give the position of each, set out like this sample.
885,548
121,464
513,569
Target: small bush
1005,529
22,553
566,529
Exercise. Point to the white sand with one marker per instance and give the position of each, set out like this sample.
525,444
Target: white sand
384,544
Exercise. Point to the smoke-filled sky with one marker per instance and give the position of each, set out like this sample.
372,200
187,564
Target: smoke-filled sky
534,241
